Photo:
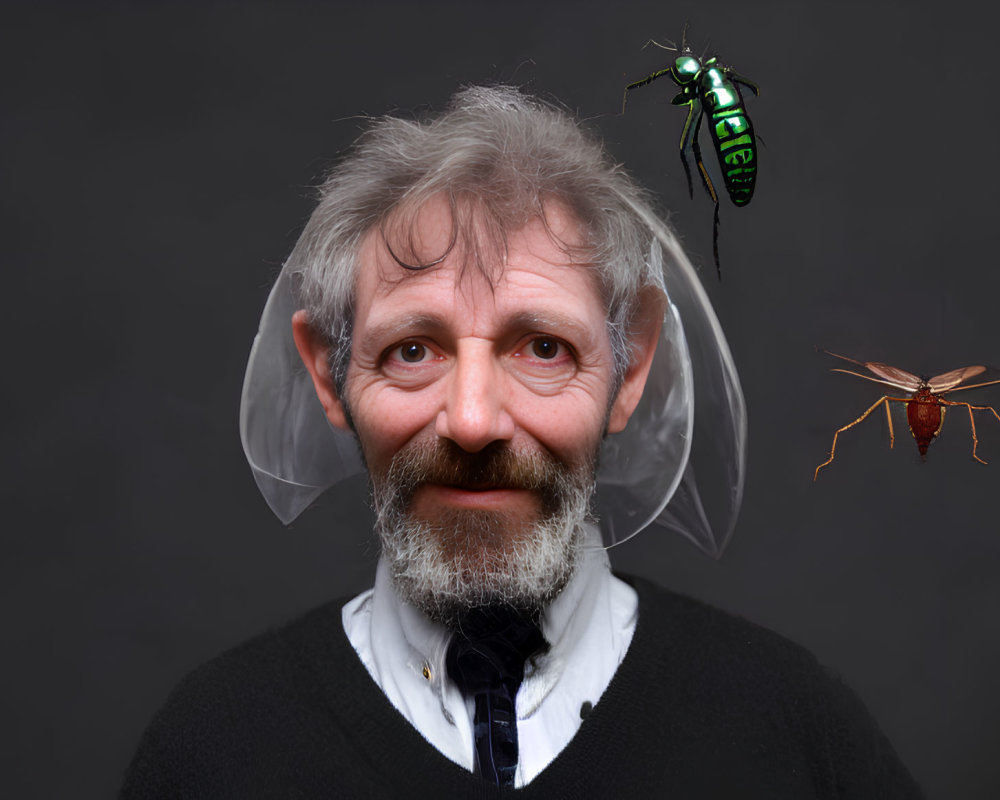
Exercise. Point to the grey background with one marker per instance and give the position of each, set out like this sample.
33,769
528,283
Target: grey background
156,168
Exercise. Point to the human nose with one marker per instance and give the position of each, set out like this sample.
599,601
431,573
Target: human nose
474,412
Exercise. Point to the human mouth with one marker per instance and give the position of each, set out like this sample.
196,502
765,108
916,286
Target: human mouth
474,496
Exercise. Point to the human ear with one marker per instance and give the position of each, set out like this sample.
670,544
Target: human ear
315,354
644,333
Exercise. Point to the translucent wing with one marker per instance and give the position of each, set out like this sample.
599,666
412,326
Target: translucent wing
895,376
893,384
949,380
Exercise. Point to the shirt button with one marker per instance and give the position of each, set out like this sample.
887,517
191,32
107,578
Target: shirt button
426,672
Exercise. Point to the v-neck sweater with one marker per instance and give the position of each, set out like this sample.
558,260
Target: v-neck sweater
704,705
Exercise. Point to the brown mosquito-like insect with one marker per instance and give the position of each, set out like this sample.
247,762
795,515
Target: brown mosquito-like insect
925,406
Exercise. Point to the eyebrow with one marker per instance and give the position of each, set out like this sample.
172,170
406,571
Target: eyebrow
400,327
548,321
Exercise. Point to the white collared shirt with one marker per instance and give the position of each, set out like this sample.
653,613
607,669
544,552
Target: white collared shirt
588,626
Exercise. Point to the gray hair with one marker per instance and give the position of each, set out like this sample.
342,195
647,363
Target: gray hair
498,155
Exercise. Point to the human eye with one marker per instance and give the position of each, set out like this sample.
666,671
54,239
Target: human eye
544,363
409,353
411,360
546,347
544,353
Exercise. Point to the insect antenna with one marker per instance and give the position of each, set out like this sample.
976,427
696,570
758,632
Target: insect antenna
684,36
669,46
845,358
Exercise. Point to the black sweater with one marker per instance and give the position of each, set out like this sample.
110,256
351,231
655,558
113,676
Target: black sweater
704,705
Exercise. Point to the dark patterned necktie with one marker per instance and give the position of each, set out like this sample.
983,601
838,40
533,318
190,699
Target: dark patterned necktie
486,660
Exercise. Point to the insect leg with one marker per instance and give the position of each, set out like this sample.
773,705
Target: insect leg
862,418
972,421
644,82
688,138
737,78
888,418
715,241
706,180
710,188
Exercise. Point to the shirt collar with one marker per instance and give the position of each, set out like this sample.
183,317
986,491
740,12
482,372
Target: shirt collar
588,627
409,643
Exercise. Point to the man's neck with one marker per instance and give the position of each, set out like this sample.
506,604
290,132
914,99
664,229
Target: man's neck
589,623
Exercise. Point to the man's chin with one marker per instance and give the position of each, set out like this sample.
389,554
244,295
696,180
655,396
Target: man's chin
445,571
474,586
473,537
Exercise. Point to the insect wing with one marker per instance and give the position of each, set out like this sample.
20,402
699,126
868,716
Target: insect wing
735,77
949,380
896,376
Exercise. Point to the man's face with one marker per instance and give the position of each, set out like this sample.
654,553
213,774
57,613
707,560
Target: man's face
480,405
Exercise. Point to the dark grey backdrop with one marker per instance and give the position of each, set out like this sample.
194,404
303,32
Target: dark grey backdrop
156,165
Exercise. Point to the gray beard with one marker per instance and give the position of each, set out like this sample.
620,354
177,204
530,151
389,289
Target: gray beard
470,558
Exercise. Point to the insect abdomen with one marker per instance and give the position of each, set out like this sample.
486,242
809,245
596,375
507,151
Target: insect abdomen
926,416
736,146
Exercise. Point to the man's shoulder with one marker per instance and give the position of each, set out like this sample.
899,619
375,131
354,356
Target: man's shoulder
308,632
680,621
713,657
263,705
275,661
765,702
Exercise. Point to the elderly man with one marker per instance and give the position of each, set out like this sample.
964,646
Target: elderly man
492,317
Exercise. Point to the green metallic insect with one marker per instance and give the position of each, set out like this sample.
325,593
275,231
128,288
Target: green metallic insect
709,87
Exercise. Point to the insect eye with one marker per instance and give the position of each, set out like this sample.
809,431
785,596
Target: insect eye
545,348
412,352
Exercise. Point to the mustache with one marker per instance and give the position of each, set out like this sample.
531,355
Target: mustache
497,466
